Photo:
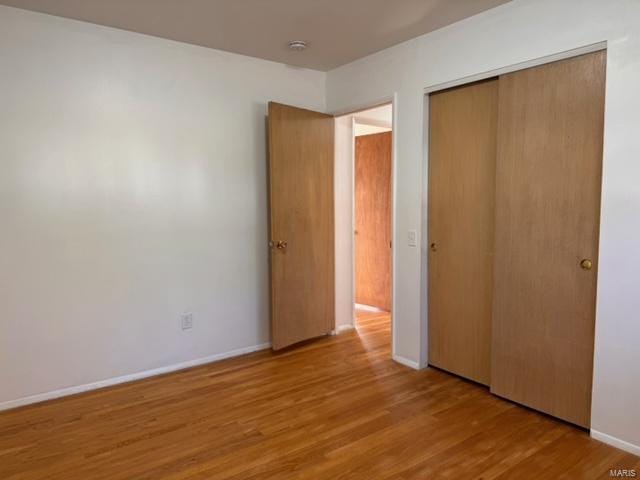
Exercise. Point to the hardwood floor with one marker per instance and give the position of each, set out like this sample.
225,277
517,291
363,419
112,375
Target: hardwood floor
337,408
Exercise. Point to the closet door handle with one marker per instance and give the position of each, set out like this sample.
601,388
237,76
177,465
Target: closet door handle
433,247
586,264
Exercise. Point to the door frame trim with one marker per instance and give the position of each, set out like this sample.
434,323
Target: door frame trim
535,62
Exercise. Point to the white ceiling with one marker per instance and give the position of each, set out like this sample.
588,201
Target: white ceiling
360,129
382,115
337,31
374,120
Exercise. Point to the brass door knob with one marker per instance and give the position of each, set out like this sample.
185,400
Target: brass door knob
281,245
586,264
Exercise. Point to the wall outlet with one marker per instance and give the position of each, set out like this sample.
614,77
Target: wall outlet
187,320
412,238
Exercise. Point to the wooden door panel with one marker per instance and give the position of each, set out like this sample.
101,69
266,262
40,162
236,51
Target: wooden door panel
373,219
548,185
301,156
462,152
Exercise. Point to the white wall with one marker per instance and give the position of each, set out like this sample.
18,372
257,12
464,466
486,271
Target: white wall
132,188
517,32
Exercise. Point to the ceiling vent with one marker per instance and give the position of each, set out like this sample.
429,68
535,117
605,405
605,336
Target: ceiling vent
297,45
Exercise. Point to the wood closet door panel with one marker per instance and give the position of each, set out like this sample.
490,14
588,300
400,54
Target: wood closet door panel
373,219
548,183
301,157
462,153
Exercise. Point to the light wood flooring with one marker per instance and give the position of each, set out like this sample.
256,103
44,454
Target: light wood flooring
336,408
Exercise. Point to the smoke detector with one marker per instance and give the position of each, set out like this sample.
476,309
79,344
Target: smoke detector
297,45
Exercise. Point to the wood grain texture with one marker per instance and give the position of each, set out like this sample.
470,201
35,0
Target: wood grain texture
301,151
373,219
550,135
462,156
335,408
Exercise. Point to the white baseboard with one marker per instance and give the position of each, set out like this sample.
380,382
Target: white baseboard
406,362
615,442
41,397
368,308
344,328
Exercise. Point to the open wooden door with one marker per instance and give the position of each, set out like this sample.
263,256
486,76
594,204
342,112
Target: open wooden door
301,157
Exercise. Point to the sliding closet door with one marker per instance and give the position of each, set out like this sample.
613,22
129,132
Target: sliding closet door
462,153
548,182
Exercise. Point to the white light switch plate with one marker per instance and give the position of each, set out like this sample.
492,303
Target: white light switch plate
412,238
187,320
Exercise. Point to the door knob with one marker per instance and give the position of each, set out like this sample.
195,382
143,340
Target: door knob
281,245
586,264
433,247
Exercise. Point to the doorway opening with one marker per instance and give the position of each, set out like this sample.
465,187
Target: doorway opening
367,138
